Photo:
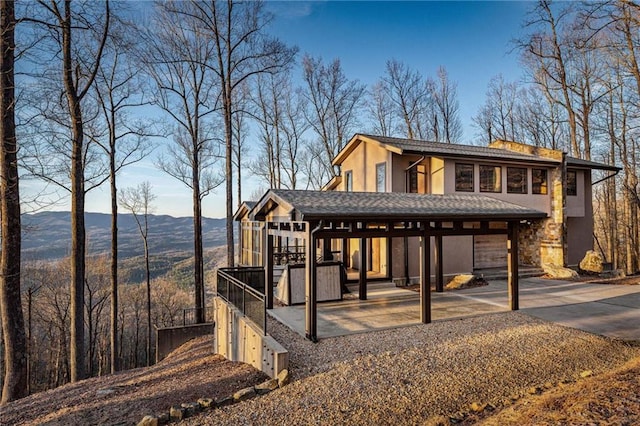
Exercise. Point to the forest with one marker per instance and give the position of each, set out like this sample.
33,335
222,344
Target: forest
88,88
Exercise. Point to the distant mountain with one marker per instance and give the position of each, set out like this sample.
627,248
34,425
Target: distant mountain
47,235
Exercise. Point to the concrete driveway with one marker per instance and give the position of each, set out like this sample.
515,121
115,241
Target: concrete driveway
609,310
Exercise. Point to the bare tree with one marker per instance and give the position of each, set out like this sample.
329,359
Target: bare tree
409,94
61,154
15,360
242,51
445,99
138,201
546,51
380,110
118,91
177,58
334,105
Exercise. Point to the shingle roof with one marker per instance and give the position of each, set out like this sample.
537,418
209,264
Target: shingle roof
421,147
577,162
414,146
315,205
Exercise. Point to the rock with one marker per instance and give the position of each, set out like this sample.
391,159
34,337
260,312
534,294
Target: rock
106,391
206,403
592,262
164,418
533,390
283,378
148,421
559,272
227,400
243,394
192,408
177,413
460,281
477,407
586,373
267,386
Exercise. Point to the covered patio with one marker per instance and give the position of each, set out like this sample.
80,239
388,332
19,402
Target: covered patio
318,217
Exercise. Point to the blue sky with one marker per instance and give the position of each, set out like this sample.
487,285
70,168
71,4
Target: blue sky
472,40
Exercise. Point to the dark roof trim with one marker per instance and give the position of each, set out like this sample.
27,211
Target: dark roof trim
578,162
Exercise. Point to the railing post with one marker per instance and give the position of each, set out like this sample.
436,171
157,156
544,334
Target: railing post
184,317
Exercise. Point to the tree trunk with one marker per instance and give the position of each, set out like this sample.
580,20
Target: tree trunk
148,279
77,207
115,364
198,264
229,180
15,361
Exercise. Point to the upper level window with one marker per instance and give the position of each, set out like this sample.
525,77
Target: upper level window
348,181
464,177
539,181
516,180
572,182
381,177
490,179
416,179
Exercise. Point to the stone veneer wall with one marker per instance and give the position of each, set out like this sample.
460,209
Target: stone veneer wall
544,241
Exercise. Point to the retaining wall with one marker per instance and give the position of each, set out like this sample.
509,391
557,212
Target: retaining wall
238,339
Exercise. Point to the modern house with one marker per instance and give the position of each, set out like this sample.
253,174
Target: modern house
409,210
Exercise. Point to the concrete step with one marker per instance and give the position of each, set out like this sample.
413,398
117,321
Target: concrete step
501,274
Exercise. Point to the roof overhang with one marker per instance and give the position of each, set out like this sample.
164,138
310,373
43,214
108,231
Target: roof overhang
310,206
243,210
587,164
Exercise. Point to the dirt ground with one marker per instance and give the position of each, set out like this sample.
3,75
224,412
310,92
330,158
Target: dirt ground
191,372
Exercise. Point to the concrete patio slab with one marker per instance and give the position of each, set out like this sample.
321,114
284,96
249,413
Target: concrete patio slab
609,310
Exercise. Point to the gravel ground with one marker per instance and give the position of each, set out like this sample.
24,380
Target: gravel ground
424,373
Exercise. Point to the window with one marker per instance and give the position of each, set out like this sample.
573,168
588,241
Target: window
381,177
490,179
516,180
539,181
572,182
348,181
464,177
416,179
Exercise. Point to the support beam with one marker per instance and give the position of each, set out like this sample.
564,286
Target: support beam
362,287
512,266
268,273
425,279
311,313
439,260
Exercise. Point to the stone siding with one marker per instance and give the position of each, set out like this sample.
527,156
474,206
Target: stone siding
545,241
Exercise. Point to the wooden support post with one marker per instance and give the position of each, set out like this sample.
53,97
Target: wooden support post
512,266
311,313
345,252
389,258
425,279
268,273
439,260
362,288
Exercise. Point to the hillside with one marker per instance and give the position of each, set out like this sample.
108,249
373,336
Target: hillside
47,235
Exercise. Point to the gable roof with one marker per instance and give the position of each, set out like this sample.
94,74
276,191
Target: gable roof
413,146
244,208
317,205
420,147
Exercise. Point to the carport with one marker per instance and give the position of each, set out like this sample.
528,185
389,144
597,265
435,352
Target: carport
315,216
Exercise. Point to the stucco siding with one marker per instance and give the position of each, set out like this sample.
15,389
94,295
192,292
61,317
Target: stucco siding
576,203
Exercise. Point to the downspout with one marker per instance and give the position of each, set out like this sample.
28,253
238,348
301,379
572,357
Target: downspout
406,239
609,176
606,178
